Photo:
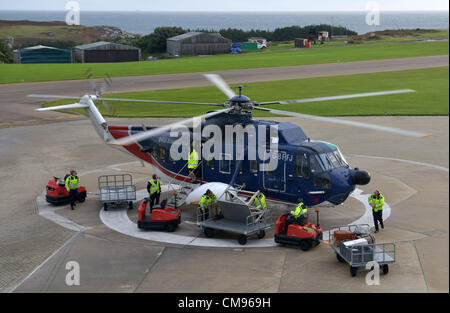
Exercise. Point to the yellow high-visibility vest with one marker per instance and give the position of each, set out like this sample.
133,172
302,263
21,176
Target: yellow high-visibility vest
193,160
261,202
205,201
377,204
299,210
72,182
154,186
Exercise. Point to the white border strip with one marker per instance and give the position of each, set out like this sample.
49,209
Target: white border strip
119,221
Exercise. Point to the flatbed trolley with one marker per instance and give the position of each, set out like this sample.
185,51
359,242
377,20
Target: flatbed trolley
360,254
236,216
116,190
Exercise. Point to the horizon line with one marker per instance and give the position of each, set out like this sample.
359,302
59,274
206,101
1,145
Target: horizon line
231,11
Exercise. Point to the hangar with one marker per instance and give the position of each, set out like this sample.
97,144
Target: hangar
102,52
198,43
42,54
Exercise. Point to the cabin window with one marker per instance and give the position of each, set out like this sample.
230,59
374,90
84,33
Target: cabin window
155,150
253,166
162,153
224,165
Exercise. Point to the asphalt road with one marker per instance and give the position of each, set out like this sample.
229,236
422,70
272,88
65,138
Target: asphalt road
17,109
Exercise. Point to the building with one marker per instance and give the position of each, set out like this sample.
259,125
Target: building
102,52
42,54
300,42
197,43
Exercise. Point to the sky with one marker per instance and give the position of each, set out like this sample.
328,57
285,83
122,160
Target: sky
226,5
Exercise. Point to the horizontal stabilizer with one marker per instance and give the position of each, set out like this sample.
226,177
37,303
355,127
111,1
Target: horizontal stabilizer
62,107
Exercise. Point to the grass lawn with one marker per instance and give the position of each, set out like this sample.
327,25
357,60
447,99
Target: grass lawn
14,73
32,31
431,96
406,35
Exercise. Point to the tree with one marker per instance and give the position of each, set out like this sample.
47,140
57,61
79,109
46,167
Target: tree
157,41
6,54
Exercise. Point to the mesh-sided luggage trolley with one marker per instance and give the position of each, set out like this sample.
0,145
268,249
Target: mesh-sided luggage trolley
116,190
357,253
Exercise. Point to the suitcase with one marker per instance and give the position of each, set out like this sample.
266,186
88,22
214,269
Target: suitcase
342,235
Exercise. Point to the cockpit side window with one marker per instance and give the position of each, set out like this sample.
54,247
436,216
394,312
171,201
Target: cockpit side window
314,165
302,165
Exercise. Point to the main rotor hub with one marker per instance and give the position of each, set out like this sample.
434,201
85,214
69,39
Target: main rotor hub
239,99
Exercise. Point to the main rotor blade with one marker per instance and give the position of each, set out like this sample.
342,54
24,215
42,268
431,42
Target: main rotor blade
125,100
159,101
153,132
221,84
52,96
62,107
356,95
347,122
107,83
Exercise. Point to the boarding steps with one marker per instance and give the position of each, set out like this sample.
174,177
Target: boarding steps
179,196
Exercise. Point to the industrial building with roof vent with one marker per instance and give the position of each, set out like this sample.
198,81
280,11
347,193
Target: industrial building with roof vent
102,51
197,43
42,54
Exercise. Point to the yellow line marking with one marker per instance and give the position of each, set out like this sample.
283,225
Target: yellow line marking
425,136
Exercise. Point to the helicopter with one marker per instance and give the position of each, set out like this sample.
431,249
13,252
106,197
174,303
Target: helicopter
311,170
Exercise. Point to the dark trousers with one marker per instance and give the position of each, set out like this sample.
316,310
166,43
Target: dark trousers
205,214
378,217
73,194
154,199
301,220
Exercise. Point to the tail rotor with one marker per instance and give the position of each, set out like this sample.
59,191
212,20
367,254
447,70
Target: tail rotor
99,89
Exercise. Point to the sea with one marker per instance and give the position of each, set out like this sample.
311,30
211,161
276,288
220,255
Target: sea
140,22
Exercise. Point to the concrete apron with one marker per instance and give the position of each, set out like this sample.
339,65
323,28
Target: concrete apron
118,220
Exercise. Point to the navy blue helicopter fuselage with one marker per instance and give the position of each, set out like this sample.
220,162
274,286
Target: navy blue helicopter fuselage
314,171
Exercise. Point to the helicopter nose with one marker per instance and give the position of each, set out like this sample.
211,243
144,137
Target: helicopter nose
360,177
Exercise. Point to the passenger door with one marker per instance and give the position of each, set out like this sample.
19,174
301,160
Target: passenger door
275,180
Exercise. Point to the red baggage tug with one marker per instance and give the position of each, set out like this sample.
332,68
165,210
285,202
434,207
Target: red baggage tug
306,236
57,194
160,218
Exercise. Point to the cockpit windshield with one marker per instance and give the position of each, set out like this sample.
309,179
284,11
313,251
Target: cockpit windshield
320,158
327,161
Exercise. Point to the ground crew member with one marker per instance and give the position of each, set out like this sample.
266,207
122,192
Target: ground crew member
208,201
298,216
193,164
260,201
72,184
376,201
154,189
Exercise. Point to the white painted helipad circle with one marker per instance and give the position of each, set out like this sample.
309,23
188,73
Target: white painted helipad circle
119,221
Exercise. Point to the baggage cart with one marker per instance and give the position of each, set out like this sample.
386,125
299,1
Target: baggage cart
359,252
236,216
116,190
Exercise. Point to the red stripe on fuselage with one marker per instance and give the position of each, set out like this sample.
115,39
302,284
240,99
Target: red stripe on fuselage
123,131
